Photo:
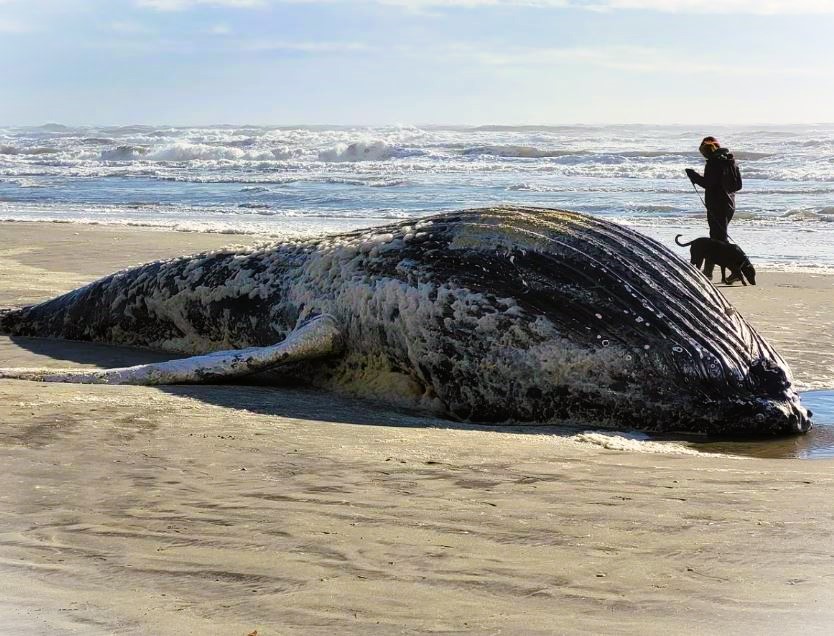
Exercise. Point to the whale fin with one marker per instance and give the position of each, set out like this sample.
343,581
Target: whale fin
317,338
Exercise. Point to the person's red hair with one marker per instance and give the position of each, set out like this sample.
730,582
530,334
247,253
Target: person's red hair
709,144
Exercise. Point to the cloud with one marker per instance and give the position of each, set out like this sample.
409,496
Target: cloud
304,47
128,27
629,59
760,7
179,5
11,27
220,29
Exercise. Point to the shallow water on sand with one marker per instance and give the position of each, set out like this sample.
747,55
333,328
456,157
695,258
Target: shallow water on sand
818,443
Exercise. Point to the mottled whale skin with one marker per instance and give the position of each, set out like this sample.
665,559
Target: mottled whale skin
499,314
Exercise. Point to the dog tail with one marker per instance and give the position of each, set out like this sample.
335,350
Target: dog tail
683,244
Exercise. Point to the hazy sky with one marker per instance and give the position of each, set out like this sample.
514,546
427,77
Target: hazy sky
416,61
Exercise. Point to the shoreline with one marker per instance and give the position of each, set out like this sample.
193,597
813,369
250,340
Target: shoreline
230,508
754,236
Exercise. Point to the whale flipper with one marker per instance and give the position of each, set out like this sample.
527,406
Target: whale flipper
317,338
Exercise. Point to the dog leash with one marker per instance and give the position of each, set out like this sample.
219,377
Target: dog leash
698,193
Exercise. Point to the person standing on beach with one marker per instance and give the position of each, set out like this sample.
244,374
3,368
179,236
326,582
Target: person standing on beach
721,180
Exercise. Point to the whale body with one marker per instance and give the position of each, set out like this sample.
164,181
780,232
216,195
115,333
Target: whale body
490,315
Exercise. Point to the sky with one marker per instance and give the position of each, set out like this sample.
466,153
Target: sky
416,62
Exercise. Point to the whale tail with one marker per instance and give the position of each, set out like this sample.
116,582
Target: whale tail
316,338
683,244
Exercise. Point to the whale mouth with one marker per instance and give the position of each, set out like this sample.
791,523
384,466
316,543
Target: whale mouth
801,418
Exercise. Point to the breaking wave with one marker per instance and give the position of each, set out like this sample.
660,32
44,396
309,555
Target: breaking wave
824,215
194,152
367,151
12,150
521,152
532,152
124,153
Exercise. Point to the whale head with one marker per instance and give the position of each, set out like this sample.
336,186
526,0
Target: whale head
530,314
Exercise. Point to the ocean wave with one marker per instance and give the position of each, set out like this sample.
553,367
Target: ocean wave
662,215
128,130
652,208
371,182
23,182
746,215
58,128
532,187
367,151
806,191
96,141
12,150
259,183
284,153
629,187
532,152
184,151
825,215
265,180
203,152
246,142
521,152
650,154
749,155
124,153
527,128
805,172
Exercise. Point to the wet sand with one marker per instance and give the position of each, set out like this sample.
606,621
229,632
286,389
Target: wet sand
226,509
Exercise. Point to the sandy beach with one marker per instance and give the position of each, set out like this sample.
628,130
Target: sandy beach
229,509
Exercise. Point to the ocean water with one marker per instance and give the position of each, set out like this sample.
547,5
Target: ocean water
302,180
818,443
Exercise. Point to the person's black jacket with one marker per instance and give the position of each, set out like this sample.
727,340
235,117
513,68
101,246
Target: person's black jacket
720,181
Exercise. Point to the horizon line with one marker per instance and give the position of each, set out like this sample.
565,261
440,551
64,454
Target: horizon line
415,125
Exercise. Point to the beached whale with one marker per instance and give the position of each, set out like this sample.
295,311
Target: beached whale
499,314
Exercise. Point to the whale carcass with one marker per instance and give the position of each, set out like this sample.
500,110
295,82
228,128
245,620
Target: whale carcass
500,314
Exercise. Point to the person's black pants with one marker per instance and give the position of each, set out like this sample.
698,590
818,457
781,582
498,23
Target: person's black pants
718,223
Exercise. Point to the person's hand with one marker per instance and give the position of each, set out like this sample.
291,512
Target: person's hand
691,174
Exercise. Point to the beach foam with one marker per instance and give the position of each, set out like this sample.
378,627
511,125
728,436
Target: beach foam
633,443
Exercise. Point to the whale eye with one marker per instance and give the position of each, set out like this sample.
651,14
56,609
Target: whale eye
605,343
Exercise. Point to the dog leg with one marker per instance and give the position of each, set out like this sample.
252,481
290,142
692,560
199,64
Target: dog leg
736,275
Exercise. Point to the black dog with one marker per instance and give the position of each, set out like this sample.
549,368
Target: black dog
710,252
